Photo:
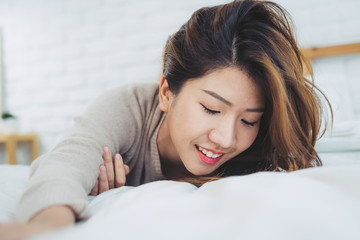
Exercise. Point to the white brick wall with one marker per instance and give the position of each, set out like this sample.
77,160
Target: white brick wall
60,54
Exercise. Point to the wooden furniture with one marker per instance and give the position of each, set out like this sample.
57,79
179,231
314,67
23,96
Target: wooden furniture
11,141
329,51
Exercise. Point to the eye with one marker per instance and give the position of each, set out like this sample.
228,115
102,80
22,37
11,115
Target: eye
248,123
209,111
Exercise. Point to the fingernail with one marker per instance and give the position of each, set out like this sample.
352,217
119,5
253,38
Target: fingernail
102,169
117,156
106,150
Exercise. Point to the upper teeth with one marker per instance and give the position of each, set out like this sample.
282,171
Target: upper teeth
209,153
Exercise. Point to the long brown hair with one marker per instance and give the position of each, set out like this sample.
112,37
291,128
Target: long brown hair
256,37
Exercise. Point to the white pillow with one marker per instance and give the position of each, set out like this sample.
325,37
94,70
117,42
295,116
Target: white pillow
330,77
344,136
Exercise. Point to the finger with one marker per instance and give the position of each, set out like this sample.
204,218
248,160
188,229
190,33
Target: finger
103,181
120,176
95,189
109,166
127,169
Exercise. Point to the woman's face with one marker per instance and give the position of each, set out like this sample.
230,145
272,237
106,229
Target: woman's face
212,119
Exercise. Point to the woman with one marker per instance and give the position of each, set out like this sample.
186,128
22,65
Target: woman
232,100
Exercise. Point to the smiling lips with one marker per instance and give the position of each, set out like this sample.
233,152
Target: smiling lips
208,156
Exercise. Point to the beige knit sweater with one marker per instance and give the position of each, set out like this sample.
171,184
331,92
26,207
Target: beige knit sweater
127,120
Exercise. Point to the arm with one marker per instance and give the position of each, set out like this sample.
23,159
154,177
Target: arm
55,217
66,175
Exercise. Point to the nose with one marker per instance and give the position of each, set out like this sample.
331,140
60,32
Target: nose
224,134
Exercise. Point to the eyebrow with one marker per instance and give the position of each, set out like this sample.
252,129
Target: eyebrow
217,96
255,110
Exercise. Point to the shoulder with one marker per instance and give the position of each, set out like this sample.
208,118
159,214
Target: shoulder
138,94
139,89
123,109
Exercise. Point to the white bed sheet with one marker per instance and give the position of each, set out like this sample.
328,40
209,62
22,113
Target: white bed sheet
317,203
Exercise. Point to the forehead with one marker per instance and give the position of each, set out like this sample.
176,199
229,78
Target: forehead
231,83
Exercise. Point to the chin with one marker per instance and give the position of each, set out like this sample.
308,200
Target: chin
200,171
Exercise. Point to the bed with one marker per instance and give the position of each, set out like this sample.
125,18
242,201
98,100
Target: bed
316,203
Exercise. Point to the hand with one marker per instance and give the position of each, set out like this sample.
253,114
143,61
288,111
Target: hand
14,230
48,219
112,174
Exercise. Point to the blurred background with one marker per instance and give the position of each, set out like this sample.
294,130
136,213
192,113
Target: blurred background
58,55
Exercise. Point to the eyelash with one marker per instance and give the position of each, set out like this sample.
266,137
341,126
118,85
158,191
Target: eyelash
209,111
212,112
248,123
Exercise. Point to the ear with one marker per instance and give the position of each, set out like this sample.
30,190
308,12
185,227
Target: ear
165,95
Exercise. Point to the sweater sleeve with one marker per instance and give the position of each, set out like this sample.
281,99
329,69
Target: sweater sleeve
67,174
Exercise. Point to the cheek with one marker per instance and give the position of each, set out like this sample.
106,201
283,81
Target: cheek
190,118
185,122
248,139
